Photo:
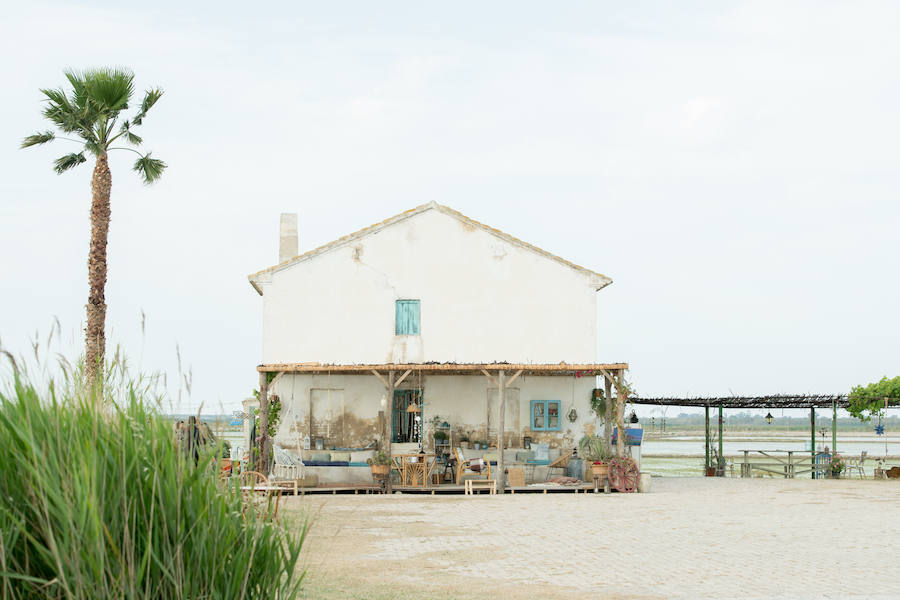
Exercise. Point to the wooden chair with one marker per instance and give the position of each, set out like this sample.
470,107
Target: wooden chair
560,463
464,467
258,494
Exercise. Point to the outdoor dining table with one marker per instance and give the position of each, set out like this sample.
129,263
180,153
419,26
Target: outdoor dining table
414,469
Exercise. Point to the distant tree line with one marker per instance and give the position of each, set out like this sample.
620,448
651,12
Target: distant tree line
754,422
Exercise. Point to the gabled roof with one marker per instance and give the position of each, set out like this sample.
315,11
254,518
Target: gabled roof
599,280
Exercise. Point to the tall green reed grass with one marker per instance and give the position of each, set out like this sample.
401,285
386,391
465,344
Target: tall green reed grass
96,501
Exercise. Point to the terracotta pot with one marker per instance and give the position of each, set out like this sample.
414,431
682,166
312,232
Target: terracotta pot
710,471
381,471
600,470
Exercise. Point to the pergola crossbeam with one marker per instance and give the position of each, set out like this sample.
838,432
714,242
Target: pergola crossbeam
771,401
530,369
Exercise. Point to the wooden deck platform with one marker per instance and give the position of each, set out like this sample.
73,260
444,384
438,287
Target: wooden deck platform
436,489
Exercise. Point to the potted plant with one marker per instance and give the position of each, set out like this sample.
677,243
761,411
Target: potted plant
380,463
594,450
837,465
439,437
464,439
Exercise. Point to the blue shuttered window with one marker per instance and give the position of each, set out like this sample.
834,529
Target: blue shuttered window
406,319
545,415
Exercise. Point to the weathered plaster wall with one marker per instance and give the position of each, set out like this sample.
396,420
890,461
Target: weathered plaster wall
460,400
483,299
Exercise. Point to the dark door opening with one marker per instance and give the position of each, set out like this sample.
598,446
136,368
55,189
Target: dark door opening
404,426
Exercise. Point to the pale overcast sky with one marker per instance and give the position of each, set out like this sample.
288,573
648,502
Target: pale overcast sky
732,166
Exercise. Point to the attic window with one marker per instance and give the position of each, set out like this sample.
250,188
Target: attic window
406,320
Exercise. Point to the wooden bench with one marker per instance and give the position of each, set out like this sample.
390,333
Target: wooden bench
488,484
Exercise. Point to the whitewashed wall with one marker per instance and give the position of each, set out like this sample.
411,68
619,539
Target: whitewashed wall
460,400
483,299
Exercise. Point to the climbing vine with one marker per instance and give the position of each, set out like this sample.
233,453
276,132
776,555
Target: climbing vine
867,401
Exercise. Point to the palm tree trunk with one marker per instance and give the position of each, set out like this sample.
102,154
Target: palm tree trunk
95,332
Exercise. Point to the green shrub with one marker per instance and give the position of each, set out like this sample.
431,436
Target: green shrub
101,504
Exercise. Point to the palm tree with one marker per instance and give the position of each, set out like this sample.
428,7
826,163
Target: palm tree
90,113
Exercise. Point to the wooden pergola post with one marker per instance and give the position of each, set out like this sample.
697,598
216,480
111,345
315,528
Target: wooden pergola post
616,378
264,423
501,401
834,424
387,431
607,426
620,415
502,383
721,442
707,437
812,447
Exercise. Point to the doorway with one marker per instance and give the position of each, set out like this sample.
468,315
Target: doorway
404,426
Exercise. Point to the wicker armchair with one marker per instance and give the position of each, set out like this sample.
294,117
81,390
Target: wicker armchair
560,463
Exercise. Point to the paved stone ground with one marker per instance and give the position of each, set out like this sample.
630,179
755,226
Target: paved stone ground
688,538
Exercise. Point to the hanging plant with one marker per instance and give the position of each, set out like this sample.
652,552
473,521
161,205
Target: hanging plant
598,403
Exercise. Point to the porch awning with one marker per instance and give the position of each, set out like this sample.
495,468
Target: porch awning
580,369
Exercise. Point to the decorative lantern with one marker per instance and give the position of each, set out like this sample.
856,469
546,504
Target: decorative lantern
769,418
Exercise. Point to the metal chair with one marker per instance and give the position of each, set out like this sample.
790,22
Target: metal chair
857,464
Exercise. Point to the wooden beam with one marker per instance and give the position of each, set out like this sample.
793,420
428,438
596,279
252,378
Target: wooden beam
276,378
263,424
607,425
446,368
620,418
501,396
382,379
489,376
389,419
612,379
402,377
514,377
812,447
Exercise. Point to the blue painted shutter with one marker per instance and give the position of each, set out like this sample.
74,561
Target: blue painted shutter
400,318
413,317
406,317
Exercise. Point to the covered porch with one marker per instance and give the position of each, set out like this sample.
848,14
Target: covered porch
404,427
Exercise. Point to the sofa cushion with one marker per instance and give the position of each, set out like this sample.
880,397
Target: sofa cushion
524,455
319,456
340,457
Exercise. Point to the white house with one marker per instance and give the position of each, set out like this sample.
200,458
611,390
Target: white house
432,309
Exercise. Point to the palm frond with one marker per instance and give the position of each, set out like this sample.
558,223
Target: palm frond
150,98
64,163
150,168
79,97
38,138
133,139
109,90
65,114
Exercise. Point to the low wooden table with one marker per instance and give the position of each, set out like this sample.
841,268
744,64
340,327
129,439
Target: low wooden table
472,484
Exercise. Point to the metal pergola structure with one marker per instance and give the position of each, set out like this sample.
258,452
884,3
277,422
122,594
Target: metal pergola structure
810,401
